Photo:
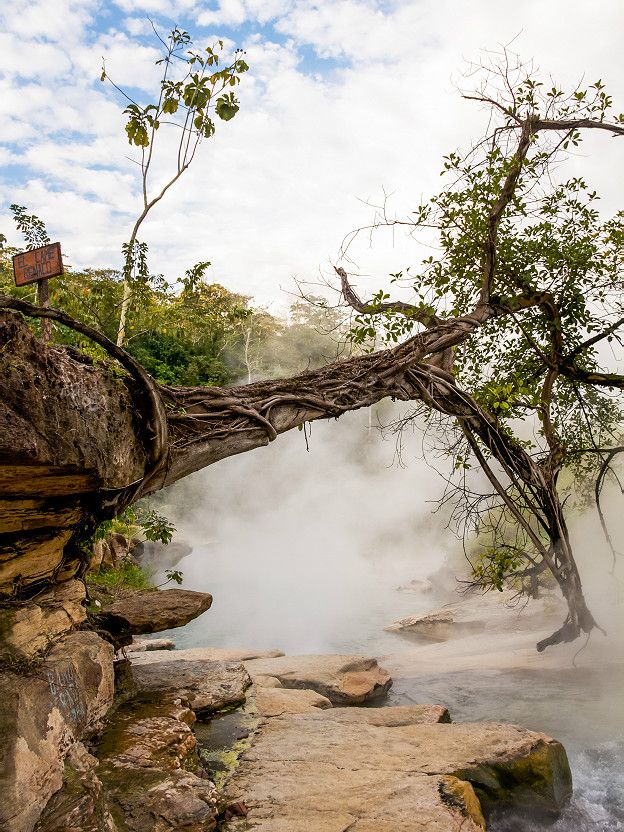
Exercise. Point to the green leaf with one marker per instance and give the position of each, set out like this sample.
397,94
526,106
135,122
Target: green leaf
226,107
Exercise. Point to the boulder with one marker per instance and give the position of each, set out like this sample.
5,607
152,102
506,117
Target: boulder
392,770
100,549
440,625
28,627
475,613
344,680
211,654
42,715
206,686
271,701
150,611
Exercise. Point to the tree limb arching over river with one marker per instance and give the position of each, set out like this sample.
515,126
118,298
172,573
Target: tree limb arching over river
535,277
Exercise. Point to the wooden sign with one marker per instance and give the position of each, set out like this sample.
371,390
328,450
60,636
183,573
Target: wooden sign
38,264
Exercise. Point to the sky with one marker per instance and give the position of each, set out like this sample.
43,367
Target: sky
347,102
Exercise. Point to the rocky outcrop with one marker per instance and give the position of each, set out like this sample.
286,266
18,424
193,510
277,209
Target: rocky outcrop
149,611
42,715
148,766
112,551
67,430
81,804
28,627
146,777
206,686
391,770
344,680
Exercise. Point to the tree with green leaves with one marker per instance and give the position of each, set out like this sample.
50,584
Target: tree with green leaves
517,312
504,346
193,90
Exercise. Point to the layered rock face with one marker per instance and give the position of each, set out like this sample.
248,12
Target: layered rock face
42,716
28,627
50,477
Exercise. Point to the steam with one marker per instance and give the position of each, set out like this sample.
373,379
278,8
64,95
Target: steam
303,550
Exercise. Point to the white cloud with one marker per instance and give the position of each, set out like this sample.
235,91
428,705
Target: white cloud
236,12
60,20
273,194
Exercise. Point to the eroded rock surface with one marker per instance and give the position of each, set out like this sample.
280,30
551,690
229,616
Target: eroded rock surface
344,680
206,686
81,804
42,715
148,766
391,770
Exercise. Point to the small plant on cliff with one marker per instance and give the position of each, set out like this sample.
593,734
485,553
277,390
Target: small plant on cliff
137,519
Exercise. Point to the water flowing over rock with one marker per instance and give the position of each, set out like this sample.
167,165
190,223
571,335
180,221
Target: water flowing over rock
150,612
344,680
391,770
42,715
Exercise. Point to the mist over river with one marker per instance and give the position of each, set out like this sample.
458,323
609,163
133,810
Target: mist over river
303,552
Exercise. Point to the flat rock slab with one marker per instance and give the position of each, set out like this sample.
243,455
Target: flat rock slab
211,654
392,770
152,611
205,686
344,680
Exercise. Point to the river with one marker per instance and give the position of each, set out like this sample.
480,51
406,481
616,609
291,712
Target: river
303,553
